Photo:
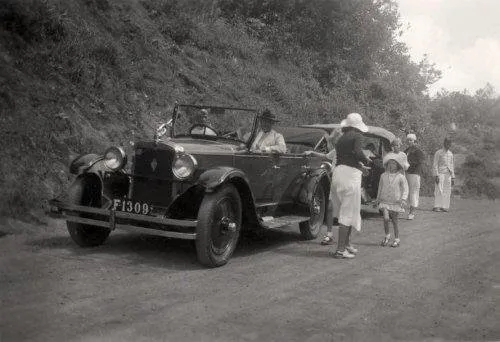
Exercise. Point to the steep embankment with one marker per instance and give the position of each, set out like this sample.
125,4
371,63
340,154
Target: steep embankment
78,75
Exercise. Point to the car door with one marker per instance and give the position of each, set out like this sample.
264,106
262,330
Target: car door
261,170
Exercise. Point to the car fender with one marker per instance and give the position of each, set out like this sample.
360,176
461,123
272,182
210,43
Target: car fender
86,184
213,178
84,162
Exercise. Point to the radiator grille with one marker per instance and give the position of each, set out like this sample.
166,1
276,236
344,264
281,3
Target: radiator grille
152,176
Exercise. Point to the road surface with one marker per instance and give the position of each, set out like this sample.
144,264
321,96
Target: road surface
443,283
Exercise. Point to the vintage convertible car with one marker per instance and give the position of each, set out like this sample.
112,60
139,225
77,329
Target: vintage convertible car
377,143
198,179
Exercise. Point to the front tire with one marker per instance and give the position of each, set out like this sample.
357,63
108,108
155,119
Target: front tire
311,228
85,235
219,226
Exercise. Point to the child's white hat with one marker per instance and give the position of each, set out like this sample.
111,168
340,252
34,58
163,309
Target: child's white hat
397,157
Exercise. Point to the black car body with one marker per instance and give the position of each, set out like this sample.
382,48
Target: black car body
203,184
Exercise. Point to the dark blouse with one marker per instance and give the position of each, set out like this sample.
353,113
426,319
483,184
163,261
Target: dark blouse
349,149
416,159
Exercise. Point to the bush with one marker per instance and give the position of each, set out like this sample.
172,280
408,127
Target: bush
476,182
34,21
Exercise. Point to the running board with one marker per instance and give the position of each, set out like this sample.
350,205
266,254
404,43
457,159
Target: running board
282,221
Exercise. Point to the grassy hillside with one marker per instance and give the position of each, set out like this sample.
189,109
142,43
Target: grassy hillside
77,75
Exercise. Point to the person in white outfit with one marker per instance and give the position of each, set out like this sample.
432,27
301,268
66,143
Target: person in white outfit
267,139
444,173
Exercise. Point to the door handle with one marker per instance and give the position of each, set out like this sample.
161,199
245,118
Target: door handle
276,167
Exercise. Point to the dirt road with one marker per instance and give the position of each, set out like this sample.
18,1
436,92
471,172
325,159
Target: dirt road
443,283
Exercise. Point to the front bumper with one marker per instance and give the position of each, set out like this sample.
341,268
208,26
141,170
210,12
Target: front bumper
112,219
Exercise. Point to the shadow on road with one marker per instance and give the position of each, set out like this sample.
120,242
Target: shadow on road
160,251
136,249
258,242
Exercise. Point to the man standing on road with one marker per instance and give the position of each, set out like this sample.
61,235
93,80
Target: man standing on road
444,172
416,159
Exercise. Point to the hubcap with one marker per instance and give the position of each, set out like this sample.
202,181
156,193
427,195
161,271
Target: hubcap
227,225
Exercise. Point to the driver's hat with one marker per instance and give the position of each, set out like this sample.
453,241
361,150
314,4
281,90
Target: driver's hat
267,115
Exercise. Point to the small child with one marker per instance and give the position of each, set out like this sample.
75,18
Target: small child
392,195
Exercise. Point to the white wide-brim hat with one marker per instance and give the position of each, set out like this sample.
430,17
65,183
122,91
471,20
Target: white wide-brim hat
354,120
398,158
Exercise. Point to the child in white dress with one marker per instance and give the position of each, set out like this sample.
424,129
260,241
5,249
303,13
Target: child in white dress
392,195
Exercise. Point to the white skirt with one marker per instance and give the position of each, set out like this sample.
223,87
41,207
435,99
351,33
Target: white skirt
345,194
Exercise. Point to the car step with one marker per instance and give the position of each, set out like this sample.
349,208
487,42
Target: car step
277,222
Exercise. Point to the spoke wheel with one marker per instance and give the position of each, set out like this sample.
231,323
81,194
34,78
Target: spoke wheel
310,229
219,226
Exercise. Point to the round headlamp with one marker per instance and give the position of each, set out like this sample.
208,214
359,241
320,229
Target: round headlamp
115,158
184,166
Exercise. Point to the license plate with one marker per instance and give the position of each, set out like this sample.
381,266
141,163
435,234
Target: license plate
132,207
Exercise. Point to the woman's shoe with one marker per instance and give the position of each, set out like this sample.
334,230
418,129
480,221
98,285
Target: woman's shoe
343,255
395,243
351,249
327,240
384,242
436,209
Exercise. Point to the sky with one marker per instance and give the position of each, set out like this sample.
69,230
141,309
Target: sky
461,37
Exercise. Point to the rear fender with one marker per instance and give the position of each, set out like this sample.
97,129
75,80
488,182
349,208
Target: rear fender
319,177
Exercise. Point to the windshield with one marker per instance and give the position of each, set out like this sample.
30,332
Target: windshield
213,122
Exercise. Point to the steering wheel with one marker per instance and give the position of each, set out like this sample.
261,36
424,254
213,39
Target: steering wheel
207,130
232,134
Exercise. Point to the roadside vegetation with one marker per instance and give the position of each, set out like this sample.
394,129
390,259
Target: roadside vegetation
77,75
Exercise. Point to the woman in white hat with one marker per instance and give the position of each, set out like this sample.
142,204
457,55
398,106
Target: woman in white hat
346,183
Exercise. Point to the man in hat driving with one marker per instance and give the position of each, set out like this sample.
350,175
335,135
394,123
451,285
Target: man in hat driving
267,139
202,125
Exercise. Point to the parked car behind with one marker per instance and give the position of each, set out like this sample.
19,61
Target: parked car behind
197,179
377,143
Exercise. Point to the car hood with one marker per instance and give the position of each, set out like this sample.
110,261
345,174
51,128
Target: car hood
205,146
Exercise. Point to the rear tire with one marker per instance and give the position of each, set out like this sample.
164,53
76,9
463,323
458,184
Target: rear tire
311,228
85,235
219,226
